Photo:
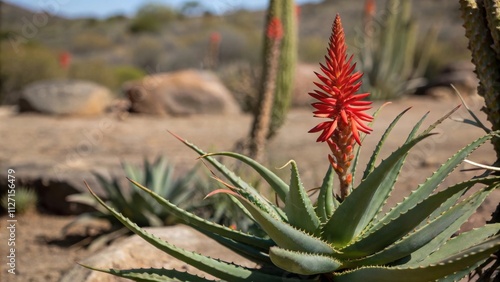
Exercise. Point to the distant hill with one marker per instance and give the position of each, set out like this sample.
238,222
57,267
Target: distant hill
13,16
175,41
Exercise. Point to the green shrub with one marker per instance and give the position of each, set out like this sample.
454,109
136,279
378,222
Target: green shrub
151,17
94,70
88,42
30,63
147,53
127,73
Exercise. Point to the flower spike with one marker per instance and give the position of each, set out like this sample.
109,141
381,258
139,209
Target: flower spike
338,102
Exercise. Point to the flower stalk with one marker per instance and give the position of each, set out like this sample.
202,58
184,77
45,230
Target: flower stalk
339,103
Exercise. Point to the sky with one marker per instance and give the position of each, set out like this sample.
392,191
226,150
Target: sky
106,8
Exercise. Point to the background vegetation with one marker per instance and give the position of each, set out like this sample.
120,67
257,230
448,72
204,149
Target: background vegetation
160,38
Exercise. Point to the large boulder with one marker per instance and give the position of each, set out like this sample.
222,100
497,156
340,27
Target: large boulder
180,93
134,252
65,97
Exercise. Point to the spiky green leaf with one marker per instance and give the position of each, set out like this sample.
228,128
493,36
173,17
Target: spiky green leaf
418,274
425,189
276,183
249,252
371,162
326,203
286,235
298,206
303,263
247,191
457,215
217,268
462,243
200,223
375,240
152,274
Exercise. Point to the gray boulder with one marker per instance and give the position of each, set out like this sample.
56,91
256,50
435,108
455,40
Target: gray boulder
180,93
135,252
65,97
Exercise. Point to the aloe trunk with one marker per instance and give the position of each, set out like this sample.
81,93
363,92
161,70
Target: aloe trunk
262,116
288,58
482,28
279,56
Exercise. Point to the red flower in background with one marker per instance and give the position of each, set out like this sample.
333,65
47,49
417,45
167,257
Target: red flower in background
64,59
215,37
274,29
370,7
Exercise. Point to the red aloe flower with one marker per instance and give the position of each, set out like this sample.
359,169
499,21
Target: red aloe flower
274,29
339,103
337,97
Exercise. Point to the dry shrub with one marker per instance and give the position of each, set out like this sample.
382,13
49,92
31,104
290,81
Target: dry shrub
88,42
27,64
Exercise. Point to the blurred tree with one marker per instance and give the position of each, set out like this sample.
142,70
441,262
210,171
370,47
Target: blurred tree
19,67
151,17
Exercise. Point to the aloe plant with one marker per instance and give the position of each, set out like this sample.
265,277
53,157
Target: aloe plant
352,240
139,207
135,203
343,235
389,52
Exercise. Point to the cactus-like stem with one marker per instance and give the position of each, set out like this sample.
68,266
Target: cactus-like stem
485,58
262,116
482,28
288,57
263,120
493,15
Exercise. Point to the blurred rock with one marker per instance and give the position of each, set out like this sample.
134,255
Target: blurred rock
65,97
134,252
180,93
460,74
